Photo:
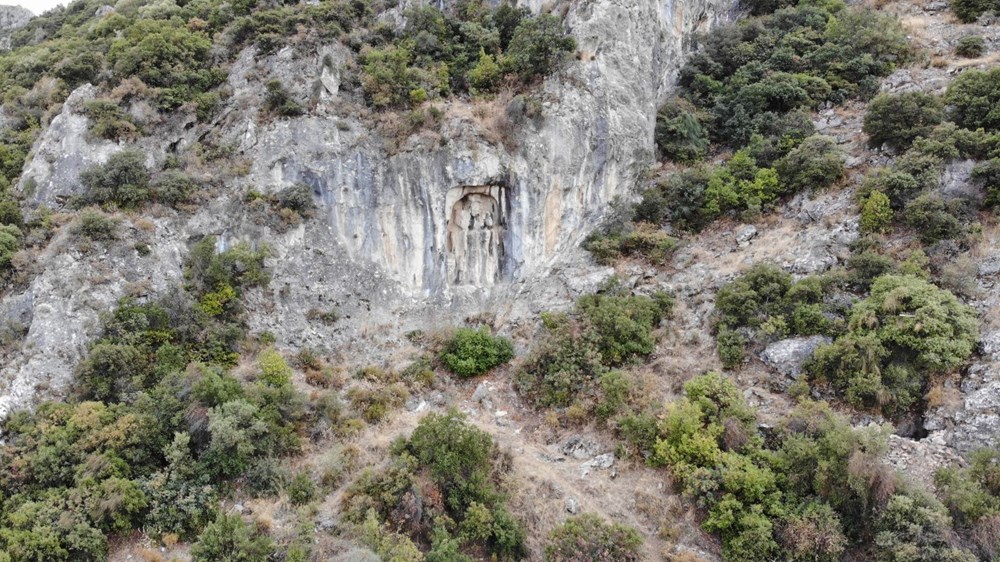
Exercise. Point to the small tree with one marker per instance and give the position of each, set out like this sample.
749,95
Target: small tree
123,180
229,539
897,119
971,47
876,213
473,352
679,133
814,164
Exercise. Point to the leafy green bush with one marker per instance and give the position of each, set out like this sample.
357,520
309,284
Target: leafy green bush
749,74
906,330
969,10
97,225
876,213
898,119
642,239
537,46
277,100
470,353
463,470
108,121
971,46
679,133
173,187
10,242
588,538
814,164
274,370
916,527
934,218
605,331
122,181
301,489
972,97
229,539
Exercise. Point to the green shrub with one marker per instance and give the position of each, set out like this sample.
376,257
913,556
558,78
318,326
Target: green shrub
274,370
97,225
971,46
987,175
731,346
969,10
898,119
814,164
122,181
108,121
10,242
298,198
229,539
752,298
972,97
622,325
537,47
301,489
934,218
899,187
470,353
679,133
642,239
876,213
916,527
906,330
485,76
588,538
277,100
173,187
864,267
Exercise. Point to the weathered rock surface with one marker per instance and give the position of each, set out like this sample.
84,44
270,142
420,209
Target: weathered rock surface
788,356
919,460
12,18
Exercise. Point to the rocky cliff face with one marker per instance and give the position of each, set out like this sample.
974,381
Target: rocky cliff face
405,235
12,18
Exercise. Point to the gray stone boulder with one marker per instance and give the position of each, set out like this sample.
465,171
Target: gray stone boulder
788,356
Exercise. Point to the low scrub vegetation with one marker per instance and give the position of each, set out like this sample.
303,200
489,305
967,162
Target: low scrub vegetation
473,352
443,492
603,332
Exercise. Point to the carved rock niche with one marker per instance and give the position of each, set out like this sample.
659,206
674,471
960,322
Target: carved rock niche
476,227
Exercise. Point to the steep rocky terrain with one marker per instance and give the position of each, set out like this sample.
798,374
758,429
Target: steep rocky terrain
476,216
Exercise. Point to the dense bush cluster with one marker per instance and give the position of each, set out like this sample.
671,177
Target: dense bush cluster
971,46
750,87
603,332
816,489
693,198
969,10
470,49
764,304
473,352
588,538
160,428
443,493
123,181
750,74
972,495
905,331
898,119
933,133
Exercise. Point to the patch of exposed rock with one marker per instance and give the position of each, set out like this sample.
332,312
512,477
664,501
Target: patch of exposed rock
919,460
790,355
12,18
